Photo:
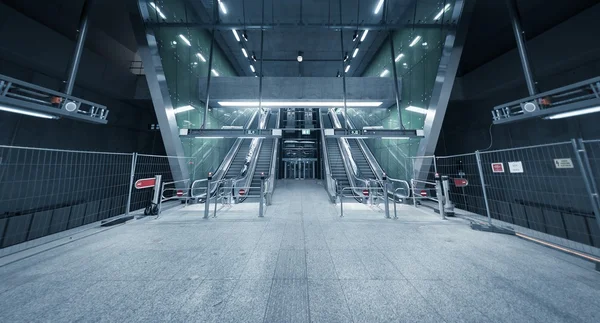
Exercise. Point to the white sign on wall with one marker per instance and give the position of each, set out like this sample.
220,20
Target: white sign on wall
563,163
515,167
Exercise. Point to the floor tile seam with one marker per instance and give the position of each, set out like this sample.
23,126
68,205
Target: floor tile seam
305,257
270,290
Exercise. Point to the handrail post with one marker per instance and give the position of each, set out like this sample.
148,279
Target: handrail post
385,196
440,196
207,198
133,164
216,201
342,203
261,196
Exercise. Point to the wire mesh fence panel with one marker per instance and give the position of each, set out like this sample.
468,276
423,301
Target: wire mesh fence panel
148,166
422,168
541,188
45,191
465,183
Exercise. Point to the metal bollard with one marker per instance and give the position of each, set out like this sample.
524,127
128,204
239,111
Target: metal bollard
216,201
341,203
385,196
261,196
448,205
440,196
207,199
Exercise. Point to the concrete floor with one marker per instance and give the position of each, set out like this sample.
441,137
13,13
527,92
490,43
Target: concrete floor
301,263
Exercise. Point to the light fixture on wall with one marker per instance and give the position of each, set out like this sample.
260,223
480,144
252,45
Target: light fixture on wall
300,58
185,40
384,73
201,57
253,57
158,11
346,57
415,41
27,112
399,57
412,108
573,113
439,15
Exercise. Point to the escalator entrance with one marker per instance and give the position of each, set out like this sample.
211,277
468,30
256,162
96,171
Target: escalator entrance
300,168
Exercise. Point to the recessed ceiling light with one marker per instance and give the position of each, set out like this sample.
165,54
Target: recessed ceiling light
416,109
347,69
399,57
439,15
300,58
222,7
27,112
157,9
244,52
355,52
183,109
300,103
235,34
364,35
573,113
214,72
252,68
245,35
415,41
185,40
378,7
384,73
201,57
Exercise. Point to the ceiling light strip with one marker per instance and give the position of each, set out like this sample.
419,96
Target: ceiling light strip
300,103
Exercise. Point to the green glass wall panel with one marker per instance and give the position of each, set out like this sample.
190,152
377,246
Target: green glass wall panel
416,58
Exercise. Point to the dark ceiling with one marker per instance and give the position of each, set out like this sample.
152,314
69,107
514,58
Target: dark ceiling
490,34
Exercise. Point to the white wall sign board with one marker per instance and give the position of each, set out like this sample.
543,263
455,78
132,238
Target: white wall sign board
498,167
515,167
563,163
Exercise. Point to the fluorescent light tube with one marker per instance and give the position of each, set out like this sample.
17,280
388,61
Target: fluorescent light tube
183,109
222,7
399,57
185,40
379,5
244,52
158,10
355,52
439,15
384,73
237,37
347,69
210,137
300,103
416,109
364,35
215,73
573,113
252,68
395,138
201,57
28,112
415,41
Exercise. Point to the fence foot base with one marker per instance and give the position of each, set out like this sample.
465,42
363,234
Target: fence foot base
447,213
116,221
491,228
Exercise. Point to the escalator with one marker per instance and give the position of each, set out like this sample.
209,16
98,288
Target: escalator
360,160
239,160
336,163
263,164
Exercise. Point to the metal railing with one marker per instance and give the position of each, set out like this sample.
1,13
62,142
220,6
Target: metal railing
367,193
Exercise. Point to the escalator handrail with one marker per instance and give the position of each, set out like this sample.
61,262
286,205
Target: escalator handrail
330,184
273,166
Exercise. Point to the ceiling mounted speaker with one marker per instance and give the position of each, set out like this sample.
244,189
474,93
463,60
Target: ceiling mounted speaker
70,106
530,107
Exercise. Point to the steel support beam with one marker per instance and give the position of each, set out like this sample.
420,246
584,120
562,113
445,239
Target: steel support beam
78,51
346,126
444,81
515,21
303,26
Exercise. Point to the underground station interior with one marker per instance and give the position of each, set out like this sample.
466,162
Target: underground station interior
299,161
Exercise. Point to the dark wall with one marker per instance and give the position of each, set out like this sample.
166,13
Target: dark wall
561,56
33,53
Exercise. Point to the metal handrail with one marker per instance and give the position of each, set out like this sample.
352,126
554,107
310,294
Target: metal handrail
273,168
375,167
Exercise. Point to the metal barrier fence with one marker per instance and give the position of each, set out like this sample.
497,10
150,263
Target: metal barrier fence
547,188
46,191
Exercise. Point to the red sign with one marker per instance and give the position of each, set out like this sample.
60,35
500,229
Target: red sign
498,167
179,193
461,182
423,193
366,192
242,191
145,183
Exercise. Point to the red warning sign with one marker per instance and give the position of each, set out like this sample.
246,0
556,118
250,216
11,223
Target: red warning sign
423,193
461,182
242,191
145,183
366,192
179,193
498,167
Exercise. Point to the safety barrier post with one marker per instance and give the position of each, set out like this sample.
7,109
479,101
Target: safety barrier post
412,188
261,196
216,201
485,199
587,174
207,199
448,205
341,203
133,163
440,196
385,196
